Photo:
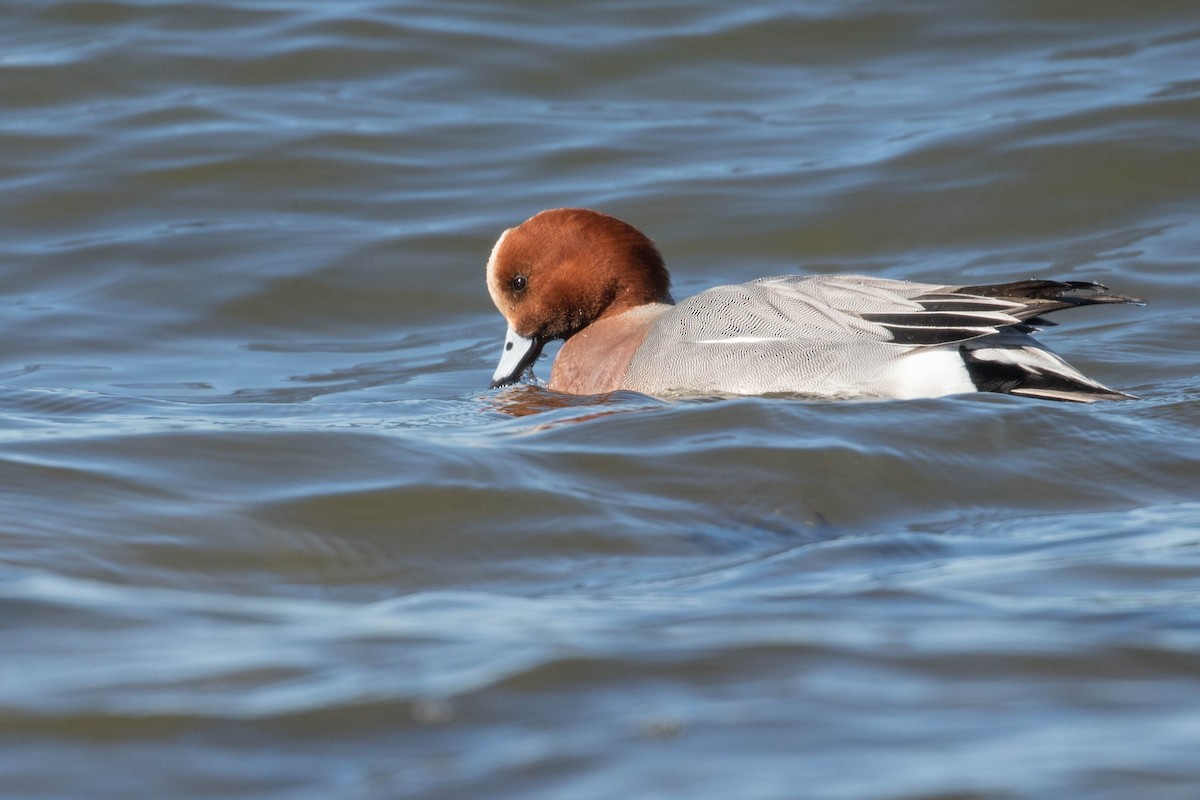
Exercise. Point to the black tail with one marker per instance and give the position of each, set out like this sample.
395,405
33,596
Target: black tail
1030,369
1011,363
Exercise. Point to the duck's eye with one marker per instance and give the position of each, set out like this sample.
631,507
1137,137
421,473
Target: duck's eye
519,283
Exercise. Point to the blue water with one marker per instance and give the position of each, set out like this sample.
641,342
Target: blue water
268,535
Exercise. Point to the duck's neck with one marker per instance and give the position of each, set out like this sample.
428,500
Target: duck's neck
595,360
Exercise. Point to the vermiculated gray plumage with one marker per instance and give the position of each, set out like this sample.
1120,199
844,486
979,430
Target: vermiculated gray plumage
850,336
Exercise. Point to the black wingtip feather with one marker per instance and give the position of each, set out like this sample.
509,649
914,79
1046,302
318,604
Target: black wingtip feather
1045,296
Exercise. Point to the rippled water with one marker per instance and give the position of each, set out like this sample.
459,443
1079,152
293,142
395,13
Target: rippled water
266,534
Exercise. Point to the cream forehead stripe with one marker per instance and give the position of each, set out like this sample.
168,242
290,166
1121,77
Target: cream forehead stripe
493,290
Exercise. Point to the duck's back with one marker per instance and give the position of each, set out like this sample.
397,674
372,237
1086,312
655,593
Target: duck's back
789,334
855,336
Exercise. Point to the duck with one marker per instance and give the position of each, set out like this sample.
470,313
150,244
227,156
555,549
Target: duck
600,285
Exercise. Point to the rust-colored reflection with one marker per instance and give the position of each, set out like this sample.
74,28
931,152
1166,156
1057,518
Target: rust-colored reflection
524,400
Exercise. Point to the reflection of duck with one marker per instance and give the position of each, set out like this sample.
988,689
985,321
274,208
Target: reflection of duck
524,401
601,285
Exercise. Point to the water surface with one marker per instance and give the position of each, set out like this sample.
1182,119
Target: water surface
267,534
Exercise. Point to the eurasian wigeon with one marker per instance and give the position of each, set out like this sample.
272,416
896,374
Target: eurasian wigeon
600,284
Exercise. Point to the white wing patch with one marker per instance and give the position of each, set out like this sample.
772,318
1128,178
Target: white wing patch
744,340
